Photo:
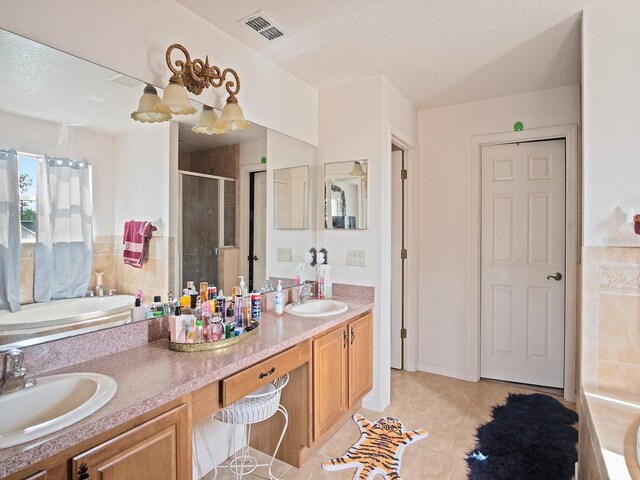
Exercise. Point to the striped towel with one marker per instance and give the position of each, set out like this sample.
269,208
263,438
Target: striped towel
135,241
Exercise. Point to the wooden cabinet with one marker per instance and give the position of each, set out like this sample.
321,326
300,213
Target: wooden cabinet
342,371
360,358
159,449
330,379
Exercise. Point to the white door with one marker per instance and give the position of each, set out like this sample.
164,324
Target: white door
259,229
523,245
396,262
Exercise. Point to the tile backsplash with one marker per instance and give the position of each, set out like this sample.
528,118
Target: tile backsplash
610,337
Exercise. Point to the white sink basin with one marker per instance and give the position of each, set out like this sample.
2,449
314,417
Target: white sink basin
316,308
55,402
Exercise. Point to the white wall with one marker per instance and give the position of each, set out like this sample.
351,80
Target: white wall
284,152
354,124
611,101
38,136
445,218
132,38
252,151
142,178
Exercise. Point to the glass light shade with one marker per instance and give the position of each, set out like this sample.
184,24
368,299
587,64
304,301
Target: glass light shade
207,122
146,112
232,117
175,101
356,170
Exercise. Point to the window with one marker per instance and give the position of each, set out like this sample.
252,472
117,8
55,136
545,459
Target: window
28,182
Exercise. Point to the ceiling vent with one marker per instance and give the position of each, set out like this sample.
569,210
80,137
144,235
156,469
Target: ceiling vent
264,25
125,80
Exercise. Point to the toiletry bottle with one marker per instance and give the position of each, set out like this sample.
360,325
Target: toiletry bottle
137,311
220,304
243,286
204,291
157,307
239,306
300,274
206,321
230,322
328,285
279,307
320,280
255,305
212,292
246,312
217,327
176,326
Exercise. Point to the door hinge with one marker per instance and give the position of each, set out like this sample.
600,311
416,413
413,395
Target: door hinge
403,254
403,333
403,174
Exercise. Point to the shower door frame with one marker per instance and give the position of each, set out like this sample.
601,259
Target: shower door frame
181,281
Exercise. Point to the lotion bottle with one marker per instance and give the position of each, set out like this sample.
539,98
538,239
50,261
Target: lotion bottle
279,307
243,286
300,274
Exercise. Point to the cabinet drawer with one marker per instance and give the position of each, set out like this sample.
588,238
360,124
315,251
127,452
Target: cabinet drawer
242,383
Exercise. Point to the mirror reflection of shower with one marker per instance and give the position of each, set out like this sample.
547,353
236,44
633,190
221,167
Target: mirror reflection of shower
208,229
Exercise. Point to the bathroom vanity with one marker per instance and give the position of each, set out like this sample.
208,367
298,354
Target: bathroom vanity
147,427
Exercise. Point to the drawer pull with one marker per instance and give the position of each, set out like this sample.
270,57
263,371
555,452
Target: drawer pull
83,472
345,339
353,335
267,374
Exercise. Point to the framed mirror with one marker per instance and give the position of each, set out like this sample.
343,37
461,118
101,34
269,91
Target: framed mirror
345,195
291,198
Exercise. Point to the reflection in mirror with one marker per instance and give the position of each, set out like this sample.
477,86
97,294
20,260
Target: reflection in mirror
291,198
345,195
210,168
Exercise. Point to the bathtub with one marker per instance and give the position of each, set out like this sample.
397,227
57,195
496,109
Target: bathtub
65,312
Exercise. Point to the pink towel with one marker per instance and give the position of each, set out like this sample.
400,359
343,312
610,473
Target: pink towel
134,242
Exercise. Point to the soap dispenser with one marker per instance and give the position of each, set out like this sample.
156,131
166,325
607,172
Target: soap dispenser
279,307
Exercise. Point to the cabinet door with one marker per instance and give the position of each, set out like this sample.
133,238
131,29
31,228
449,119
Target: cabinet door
159,449
330,380
360,357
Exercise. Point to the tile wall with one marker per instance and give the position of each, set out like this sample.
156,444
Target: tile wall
610,336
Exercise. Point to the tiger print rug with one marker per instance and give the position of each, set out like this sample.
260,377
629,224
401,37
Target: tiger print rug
379,449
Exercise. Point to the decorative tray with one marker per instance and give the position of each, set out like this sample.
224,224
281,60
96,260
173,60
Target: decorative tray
249,333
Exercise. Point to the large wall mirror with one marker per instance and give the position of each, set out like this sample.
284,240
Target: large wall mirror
291,198
207,197
345,195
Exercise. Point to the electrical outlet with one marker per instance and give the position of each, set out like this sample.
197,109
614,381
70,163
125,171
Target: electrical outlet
284,254
355,258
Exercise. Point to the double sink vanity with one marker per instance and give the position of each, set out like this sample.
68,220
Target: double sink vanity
115,408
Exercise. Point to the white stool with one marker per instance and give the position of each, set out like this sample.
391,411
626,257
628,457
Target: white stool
253,408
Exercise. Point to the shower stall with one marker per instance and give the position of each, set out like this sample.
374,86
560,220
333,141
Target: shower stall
207,240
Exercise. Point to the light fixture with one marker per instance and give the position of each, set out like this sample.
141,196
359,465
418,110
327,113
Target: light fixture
146,112
207,122
356,170
195,76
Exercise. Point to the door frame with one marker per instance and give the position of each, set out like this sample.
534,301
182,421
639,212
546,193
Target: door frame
410,148
568,133
245,195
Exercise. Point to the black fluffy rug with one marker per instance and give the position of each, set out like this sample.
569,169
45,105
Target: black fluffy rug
529,437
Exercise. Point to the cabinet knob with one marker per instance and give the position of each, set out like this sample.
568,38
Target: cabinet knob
83,472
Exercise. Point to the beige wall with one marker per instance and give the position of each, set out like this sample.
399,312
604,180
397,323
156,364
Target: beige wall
610,336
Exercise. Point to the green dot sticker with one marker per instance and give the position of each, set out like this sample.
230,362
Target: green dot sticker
263,160
518,126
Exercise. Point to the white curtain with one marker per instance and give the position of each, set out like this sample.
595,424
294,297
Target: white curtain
64,240
9,231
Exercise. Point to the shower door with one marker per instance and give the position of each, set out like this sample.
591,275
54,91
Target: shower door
207,224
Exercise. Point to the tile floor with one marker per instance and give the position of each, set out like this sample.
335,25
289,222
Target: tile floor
450,409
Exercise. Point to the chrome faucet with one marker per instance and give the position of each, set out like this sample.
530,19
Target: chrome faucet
13,373
99,290
112,291
304,293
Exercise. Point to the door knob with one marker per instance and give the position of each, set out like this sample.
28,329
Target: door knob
254,258
557,277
